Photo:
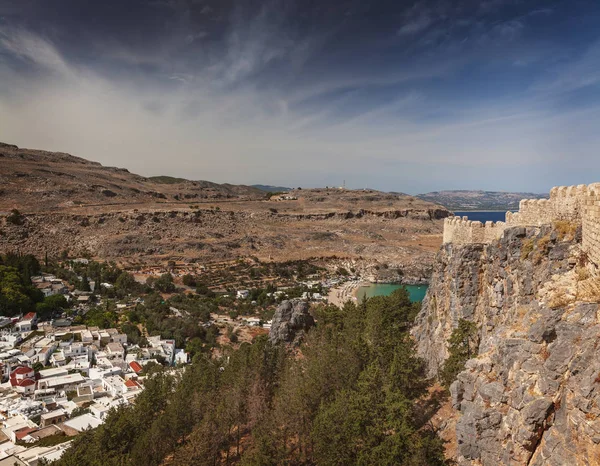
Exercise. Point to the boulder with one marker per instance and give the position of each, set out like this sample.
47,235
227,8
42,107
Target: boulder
291,320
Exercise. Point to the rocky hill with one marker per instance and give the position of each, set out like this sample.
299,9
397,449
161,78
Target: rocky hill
478,200
70,204
36,180
531,393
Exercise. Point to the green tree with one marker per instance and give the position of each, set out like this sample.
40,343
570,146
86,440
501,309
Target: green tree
189,280
462,347
50,306
14,295
126,283
84,284
164,283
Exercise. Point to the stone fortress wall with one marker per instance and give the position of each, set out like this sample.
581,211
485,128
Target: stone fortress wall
579,204
462,231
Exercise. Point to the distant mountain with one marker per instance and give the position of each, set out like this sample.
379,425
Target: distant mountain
479,200
271,189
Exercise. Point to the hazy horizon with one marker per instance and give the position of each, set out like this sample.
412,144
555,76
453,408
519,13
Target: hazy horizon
498,95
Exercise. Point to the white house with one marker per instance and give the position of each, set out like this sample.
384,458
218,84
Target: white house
115,351
22,380
242,294
119,338
27,322
181,357
114,385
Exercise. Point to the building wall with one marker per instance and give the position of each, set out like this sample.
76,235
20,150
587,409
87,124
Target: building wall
579,204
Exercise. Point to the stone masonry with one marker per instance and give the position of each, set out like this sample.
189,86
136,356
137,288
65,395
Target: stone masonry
578,204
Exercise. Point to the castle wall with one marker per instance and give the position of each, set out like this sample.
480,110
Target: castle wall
462,231
591,223
579,204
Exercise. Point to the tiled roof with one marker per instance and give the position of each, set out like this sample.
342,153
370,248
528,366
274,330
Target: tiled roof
135,366
21,370
24,432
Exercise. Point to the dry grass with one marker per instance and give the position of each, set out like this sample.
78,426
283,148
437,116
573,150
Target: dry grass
527,248
559,300
588,289
541,249
544,353
566,230
582,274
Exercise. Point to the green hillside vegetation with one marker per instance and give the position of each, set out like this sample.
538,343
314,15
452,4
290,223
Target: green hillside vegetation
352,393
17,295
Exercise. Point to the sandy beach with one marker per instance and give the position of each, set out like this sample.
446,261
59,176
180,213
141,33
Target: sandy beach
347,291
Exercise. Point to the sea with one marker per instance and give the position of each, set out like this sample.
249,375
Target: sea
416,292
494,216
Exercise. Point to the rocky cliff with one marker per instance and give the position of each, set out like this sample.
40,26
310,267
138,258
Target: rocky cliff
532,393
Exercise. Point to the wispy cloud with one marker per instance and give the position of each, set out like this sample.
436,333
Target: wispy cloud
571,75
29,47
416,25
265,100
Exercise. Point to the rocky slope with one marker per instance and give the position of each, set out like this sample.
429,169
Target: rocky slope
198,236
532,393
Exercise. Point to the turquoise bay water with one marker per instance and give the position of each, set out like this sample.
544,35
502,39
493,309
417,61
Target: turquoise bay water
416,292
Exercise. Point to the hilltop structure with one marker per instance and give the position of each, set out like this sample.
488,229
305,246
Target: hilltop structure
577,204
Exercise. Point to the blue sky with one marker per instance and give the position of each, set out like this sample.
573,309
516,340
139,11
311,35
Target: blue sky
399,96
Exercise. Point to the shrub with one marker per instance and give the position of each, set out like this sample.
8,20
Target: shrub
566,230
189,280
541,249
560,299
582,274
526,249
15,217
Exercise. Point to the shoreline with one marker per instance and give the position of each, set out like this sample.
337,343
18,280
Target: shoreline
348,291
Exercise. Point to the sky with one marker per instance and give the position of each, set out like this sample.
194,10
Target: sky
410,96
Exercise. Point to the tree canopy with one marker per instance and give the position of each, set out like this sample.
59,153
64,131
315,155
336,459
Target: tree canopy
347,396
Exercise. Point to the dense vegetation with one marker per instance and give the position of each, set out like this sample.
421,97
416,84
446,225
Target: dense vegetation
351,394
17,295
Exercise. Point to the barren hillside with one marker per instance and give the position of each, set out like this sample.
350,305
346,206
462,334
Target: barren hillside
70,204
36,180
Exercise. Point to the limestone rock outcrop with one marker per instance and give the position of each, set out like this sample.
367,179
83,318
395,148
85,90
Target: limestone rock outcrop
531,396
291,320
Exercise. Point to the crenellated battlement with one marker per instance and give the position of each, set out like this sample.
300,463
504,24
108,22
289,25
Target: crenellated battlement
579,204
463,231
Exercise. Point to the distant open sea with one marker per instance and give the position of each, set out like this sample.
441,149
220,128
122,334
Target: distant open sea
493,216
